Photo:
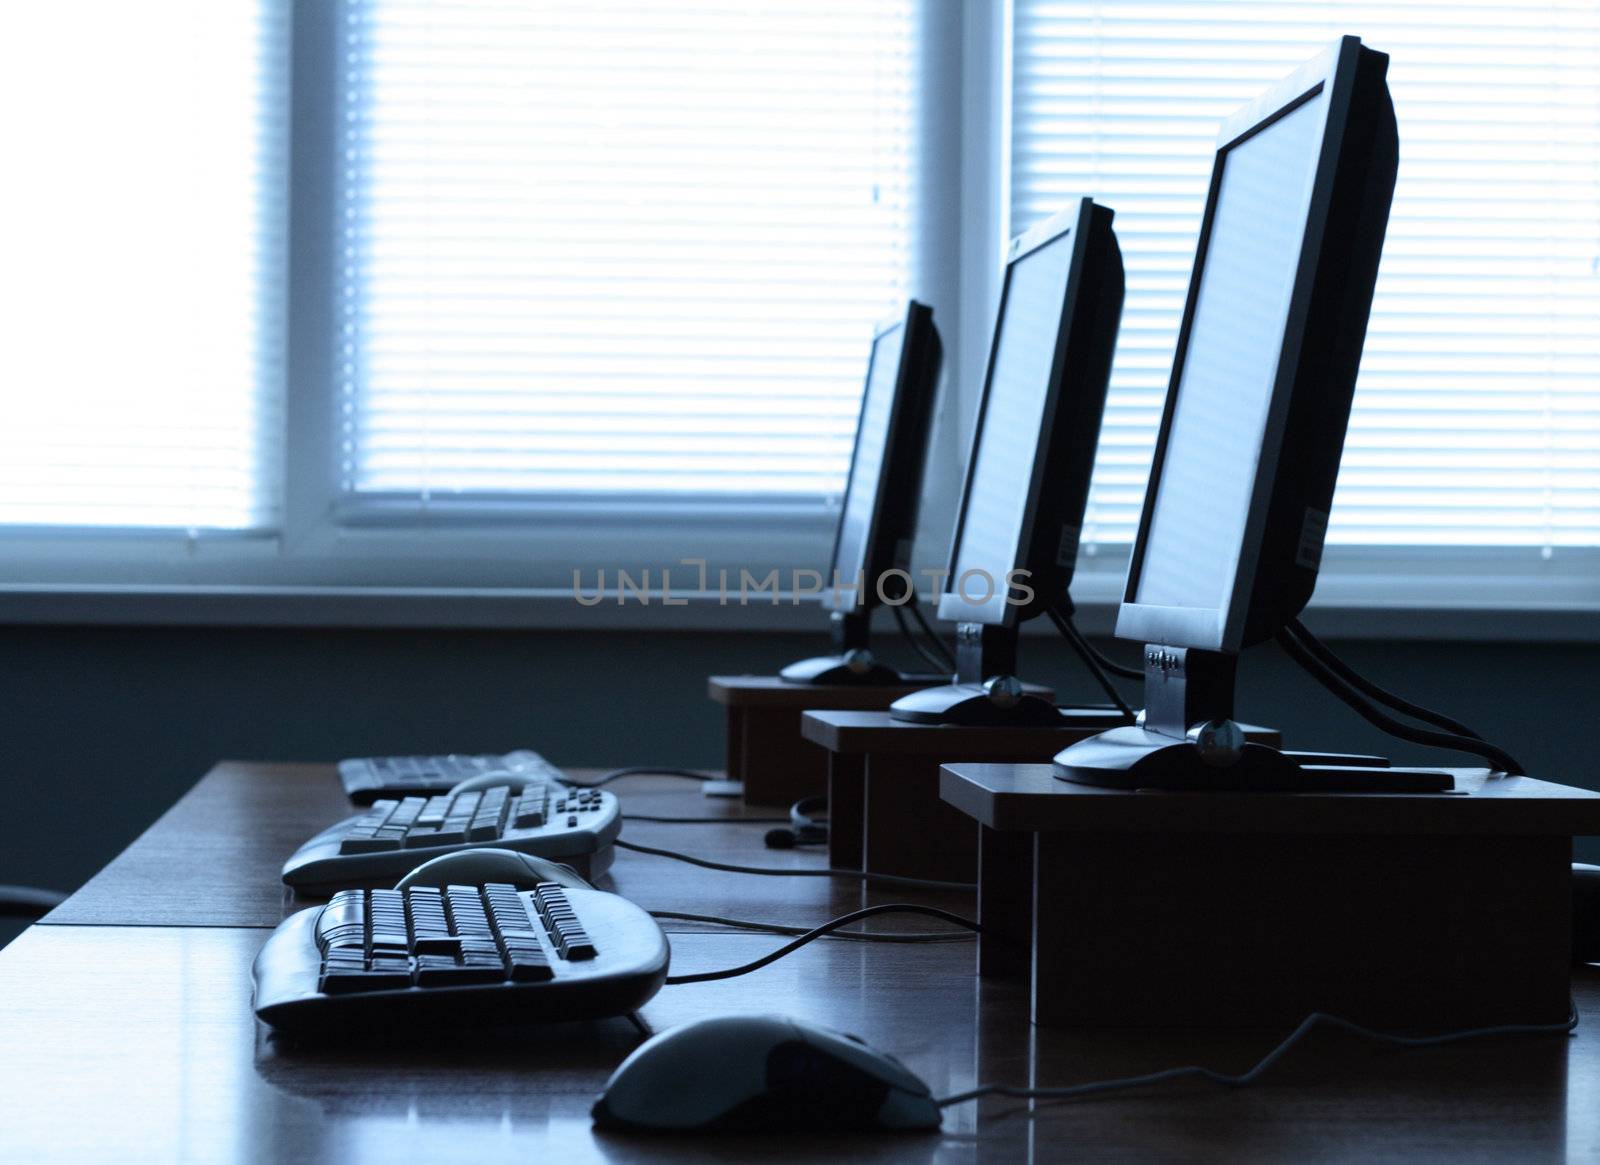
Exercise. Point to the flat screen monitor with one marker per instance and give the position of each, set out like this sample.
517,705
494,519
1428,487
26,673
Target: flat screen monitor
1237,506
878,517
1038,421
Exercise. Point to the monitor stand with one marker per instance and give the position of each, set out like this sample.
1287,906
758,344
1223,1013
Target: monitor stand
1187,740
852,665
987,694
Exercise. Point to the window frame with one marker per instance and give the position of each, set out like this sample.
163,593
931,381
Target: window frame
502,563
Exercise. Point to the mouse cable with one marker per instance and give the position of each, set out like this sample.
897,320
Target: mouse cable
1126,671
1371,690
1087,654
640,771
863,936
815,933
769,871
1251,1075
928,656
946,652
1375,716
653,818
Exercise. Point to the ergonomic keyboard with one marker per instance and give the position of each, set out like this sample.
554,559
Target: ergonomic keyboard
456,957
366,779
573,826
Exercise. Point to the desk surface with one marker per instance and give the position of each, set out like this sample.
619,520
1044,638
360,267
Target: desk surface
214,858
777,692
1030,798
136,1042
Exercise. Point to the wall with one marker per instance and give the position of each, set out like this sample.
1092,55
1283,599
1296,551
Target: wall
104,727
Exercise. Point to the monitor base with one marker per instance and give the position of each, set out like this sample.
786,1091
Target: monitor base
1131,757
970,706
843,671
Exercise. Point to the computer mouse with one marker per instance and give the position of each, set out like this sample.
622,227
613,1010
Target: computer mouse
1585,913
474,867
762,1073
510,778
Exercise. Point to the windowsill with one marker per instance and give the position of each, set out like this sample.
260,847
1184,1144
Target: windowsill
557,609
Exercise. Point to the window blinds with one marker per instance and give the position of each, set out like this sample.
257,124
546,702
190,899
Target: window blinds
1477,416
142,224
621,248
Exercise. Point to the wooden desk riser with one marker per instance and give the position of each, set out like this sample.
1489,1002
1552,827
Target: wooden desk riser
1229,909
132,1040
766,751
885,812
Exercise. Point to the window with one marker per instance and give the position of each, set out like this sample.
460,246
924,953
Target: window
629,250
433,301
143,285
1477,415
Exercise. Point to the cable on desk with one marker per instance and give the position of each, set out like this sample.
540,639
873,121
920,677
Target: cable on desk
769,871
705,820
815,933
640,771
1375,716
929,657
1088,654
865,936
1251,1075
28,901
1371,690
944,648
1126,671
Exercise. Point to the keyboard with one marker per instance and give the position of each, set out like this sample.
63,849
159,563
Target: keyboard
366,779
395,836
461,956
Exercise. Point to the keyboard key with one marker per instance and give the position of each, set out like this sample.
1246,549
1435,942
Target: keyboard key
363,835
433,811
343,921
453,974
467,917
490,815
529,812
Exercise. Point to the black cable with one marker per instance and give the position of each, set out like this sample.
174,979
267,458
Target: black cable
818,932
705,820
943,648
28,901
1329,679
917,645
872,936
640,771
1251,1075
1117,669
1085,653
1367,688
768,871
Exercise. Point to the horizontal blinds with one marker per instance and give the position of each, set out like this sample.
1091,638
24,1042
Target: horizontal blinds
142,222
1477,416
619,248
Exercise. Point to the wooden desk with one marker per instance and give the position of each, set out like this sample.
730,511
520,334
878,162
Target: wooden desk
215,857
1442,910
136,1042
885,813
884,809
766,752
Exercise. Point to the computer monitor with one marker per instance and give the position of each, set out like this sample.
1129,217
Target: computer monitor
878,517
1016,537
1231,534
